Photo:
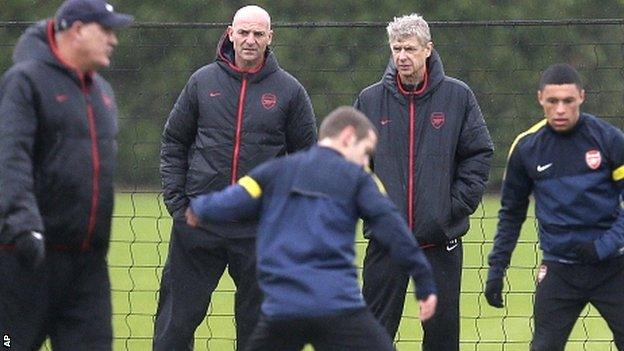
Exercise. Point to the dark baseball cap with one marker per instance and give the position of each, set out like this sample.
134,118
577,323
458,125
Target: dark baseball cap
88,11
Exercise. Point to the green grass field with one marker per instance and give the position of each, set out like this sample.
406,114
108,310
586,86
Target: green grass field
139,248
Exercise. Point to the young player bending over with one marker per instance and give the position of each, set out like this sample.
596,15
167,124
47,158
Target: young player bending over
308,205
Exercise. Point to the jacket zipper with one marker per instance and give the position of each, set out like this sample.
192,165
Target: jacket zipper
411,153
95,155
239,127
410,177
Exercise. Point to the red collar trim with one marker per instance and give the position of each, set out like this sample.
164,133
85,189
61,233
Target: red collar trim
57,54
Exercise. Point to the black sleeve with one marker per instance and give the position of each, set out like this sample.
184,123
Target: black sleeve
178,136
301,125
18,130
517,187
390,230
358,104
474,155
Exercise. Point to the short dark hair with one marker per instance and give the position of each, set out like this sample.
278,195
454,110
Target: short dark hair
558,74
342,117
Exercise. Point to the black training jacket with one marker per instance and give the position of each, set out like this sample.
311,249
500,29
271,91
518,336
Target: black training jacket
434,150
57,148
226,122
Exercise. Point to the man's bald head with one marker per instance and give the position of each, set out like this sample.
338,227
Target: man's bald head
250,34
252,13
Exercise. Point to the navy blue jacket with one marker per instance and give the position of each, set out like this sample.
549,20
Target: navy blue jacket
577,179
309,204
57,147
434,150
226,122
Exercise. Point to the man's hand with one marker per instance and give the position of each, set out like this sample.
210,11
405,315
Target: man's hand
191,218
427,307
494,292
586,252
30,249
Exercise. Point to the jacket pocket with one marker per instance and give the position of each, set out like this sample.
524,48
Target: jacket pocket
458,209
202,175
433,199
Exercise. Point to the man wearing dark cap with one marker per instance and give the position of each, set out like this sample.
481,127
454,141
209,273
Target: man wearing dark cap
57,150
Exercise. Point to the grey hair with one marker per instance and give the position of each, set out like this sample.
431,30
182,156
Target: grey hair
413,25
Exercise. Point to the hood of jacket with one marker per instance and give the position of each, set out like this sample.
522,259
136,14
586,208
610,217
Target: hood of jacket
434,75
38,43
225,59
33,45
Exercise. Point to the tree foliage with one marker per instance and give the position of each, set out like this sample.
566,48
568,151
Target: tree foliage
500,63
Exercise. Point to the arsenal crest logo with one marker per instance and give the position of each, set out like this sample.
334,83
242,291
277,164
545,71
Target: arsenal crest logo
593,159
437,119
268,100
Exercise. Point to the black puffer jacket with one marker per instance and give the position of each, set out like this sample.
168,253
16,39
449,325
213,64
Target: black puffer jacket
224,123
434,150
57,148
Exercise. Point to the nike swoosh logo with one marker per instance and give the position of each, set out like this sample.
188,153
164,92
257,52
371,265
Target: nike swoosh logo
452,245
543,168
216,93
384,121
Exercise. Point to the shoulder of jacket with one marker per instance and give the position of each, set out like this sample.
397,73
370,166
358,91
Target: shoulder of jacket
210,68
25,72
527,135
372,89
27,68
602,129
15,70
286,76
595,122
456,83
282,79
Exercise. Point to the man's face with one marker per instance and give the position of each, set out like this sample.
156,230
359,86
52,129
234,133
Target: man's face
250,35
96,45
561,105
360,151
410,56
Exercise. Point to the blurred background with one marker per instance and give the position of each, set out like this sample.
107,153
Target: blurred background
497,47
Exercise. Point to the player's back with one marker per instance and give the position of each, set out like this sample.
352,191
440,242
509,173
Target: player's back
306,234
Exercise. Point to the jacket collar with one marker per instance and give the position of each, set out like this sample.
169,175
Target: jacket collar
434,75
